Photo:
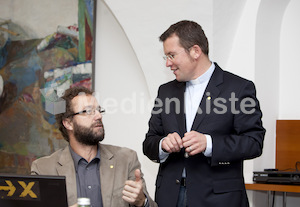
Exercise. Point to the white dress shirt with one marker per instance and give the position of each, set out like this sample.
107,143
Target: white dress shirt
194,92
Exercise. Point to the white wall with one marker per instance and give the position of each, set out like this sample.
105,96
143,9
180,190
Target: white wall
289,67
122,88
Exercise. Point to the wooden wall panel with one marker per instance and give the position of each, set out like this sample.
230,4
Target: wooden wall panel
287,144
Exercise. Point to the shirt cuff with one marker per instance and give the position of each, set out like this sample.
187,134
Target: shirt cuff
162,154
208,151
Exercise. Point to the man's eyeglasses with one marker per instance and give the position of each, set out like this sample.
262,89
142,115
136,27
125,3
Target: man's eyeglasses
90,111
171,57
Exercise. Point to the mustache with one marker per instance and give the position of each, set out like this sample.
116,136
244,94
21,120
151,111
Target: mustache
98,123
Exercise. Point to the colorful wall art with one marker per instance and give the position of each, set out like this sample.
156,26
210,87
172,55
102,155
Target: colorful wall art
33,75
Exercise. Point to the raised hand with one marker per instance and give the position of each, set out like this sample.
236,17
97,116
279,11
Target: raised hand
133,190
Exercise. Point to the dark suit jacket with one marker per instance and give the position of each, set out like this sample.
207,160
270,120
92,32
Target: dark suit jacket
116,166
211,181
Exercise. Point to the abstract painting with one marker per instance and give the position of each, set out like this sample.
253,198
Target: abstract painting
33,75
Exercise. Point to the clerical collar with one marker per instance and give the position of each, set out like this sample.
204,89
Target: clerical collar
204,77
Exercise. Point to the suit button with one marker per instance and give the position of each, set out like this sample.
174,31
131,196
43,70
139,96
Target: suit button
177,182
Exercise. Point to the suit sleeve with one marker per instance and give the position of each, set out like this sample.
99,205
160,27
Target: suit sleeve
34,169
245,139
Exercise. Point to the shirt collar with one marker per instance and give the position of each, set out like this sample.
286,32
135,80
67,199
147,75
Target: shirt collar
204,77
77,158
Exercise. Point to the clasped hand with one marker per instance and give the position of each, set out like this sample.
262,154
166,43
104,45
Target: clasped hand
193,142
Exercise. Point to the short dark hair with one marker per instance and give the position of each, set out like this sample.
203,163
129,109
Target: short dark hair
68,96
190,33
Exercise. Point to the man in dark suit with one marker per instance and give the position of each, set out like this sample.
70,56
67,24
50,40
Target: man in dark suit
203,126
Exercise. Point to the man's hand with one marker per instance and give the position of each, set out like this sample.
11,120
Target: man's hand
194,142
133,190
172,143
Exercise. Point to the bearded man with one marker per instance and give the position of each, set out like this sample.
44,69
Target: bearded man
108,175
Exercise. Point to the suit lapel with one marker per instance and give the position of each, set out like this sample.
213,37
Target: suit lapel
211,92
67,169
107,173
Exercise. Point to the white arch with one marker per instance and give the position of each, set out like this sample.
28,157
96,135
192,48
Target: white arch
289,63
267,47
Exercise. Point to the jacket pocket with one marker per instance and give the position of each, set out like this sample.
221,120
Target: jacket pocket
228,185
